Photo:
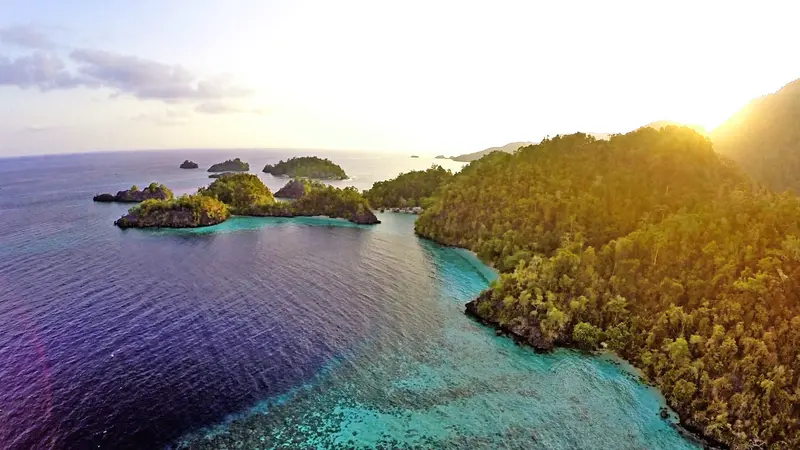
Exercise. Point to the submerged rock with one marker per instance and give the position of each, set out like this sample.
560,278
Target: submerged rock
189,165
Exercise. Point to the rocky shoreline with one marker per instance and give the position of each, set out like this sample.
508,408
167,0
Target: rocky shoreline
181,218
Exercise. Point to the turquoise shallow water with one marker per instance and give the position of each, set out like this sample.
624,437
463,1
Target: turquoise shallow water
448,382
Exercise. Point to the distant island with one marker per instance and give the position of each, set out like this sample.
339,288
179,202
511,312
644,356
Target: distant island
154,191
245,194
441,157
307,167
189,165
414,156
231,165
508,148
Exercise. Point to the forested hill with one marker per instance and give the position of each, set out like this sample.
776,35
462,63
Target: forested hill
653,245
504,206
764,137
408,189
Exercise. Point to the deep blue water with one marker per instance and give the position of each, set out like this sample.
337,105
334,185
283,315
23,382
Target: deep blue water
269,333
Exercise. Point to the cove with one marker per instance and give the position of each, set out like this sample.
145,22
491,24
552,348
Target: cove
421,374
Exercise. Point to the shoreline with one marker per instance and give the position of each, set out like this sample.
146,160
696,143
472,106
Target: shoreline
683,426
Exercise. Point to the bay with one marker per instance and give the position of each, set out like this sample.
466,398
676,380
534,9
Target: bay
269,333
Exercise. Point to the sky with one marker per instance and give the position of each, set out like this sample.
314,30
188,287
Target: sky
431,77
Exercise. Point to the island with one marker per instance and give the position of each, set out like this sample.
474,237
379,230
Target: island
154,191
187,211
220,175
441,157
231,165
245,194
189,165
651,245
414,156
307,167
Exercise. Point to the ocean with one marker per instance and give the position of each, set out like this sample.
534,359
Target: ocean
270,333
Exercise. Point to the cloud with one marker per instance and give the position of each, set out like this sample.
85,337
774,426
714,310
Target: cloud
125,75
225,108
147,79
40,70
26,36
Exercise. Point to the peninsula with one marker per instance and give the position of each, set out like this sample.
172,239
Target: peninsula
307,167
154,191
231,165
653,246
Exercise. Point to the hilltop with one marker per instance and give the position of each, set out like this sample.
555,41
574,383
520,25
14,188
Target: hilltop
660,124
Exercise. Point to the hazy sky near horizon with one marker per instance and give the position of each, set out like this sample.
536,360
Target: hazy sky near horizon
434,76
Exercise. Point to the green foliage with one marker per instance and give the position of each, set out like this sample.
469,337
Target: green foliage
323,200
155,187
186,210
572,186
307,167
409,189
657,247
586,335
134,188
764,138
241,191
